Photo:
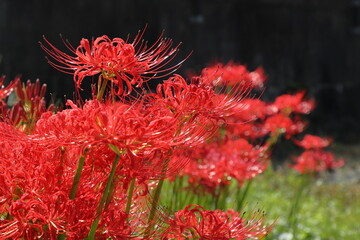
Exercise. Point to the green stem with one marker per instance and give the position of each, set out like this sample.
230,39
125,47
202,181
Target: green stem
244,194
154,205
110,194
296,206
216,198
77,176
103,199
62,236
180,200
155,200
224,191
174,194
194,234
101,91
130,194
75,184
274,138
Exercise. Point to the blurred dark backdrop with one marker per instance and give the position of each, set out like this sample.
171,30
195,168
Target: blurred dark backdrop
300,43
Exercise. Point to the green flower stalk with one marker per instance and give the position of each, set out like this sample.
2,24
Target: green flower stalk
103,199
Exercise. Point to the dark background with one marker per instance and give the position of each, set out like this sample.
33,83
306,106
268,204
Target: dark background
300,43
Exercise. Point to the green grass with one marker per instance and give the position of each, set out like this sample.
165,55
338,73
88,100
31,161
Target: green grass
327,211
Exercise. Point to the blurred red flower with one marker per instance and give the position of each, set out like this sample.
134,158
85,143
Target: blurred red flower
312,161
279,123
313,142
288,103
234,74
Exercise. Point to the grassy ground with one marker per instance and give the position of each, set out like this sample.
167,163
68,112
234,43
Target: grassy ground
328,209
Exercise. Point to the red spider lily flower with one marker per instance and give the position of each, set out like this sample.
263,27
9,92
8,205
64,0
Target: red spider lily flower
6,91
250,131
115,59
280,124
119,124
250,110
28,108
233,74
146,137
313,142
245,160
115,223
35,183
194,222
312,161
197,98
31,101
33,197
294,103
215,165
33,214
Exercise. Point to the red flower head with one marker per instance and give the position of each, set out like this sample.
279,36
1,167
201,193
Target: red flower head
196,107
278,123
250,131
116,60
313,142
194,222
312,161
216,165
294,103
233,74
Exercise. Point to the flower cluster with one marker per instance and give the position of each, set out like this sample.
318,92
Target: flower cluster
241,149
233,74
314,159
95,169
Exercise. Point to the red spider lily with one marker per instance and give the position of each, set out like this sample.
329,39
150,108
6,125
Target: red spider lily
294,103
34,217
31,100
280,124
35,183
116,60
194,222
245,160
233,74
6,91
216,164
115,223
250,110
146,137
312,161
250,131
35,203
119,124
197,98
313,142
28,108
